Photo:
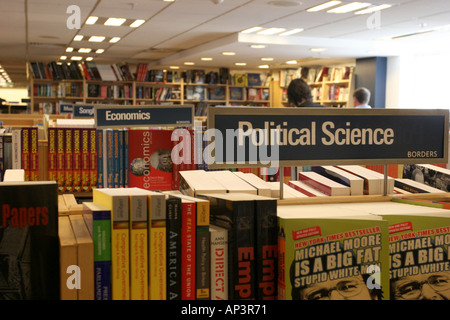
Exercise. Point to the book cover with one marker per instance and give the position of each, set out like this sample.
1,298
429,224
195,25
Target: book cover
219,262
235,212
149,159
414,186
67,256
117,201
327,252
431,175
29,241
253,79
85,253
99,222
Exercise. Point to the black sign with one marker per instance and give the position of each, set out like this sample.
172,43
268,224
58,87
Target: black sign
302,136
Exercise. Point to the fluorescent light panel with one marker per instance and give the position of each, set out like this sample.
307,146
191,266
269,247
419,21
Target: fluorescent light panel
84,50
96,39
69,49
91,20
324,6
114,39
100,51
257,46
349,7
291,32
250,30
271,31
374,9
78,38
137,23
115,22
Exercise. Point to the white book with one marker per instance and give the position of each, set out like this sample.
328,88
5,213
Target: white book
288,192
231,182
193,182
415,186
355,183
106,72
323,184
16,140
75,123
261,186
306,189
372,185
219,262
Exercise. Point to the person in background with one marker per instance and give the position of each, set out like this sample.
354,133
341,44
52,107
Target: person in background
299,95
361,97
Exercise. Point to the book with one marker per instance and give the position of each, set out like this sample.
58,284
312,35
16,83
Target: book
193,182
98,220
355,183
173,248
34,154
306,189
29,245
67,256
322,247
149,159
253,79
323,184
289,192
372,185
219,265
85,253
230,181
25,142
414,186
117,201
417,248
263,189
235,212
432,175
188,249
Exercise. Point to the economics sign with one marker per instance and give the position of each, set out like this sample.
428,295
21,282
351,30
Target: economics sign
252,136
107,116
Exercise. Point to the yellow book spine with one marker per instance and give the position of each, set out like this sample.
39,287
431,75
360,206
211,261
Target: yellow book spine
120,261
158,261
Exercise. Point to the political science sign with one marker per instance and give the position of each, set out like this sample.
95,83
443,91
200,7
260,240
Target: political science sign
257,137
109,116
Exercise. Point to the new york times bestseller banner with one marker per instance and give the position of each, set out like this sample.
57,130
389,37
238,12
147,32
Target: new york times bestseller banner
256,137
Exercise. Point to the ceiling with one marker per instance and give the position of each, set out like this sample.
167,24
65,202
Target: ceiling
187,30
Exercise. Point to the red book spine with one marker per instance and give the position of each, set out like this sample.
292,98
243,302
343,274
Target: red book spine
60,159
85,174
76,159
25,136
93,157
52,149
188,228
34,154
314,184
68,168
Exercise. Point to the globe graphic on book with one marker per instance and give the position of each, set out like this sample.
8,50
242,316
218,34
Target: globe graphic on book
139,167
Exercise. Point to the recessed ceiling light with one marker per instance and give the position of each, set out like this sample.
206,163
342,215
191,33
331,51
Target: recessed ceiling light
114,39
207,59
291,32
100,51
89,59
174,67
188,63
115,22
291,62
76,58
78,38
267,59
272,31
96,39
374,9
91,20
229,53
84,50
137,23
324,6
69,49
318,49
63,57
258,46
350,7
250,30
281,3
264,66
240,64
169,0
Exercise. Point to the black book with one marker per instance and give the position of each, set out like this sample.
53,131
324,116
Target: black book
173,236
29,242
236,213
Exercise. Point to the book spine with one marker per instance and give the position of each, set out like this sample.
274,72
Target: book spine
173,250
2,162
110,158
99,158
116,160
203,266
60,173
266,250
139,247
281,290
120,155
188,240
93,167
34,154
219,264
68,159
125,157
52,150
102,254
315,184
157,257
16,150
76,159
85,170
25,141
